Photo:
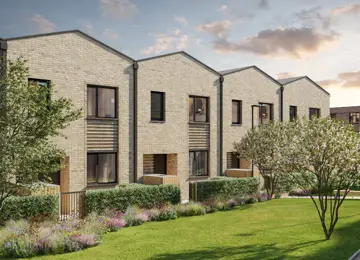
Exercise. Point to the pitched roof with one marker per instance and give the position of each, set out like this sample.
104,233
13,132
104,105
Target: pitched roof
291,80
230,71
71,31
184,53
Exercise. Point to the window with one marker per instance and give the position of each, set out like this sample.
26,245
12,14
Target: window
265,113
101,102
157,106
101,168
354,118
198,109
160,163
198,163
236,112
333,116
235,161
293,113
314,112
43,84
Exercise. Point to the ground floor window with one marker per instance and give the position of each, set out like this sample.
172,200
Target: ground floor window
198,163
101,168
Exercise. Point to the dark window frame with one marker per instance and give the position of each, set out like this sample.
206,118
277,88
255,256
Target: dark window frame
97,162
162,107
271,111
295,113
207,109
351,116
207,162
318,112
239,111
48,85
97,102
333,115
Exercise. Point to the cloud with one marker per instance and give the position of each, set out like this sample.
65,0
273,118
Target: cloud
43,25
219,29
351,9
223,8
110,34
289,42
264,4
284,75
175,40
181,20
118,9
345,79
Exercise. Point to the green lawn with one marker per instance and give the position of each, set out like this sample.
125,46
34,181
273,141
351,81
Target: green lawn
277,229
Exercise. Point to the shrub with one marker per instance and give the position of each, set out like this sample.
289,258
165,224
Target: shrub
300,193
190,209
277,196
134,217
114,224
94,224
28,207
163,214
261,197
78,242
251,200
121,198
19,246
225,188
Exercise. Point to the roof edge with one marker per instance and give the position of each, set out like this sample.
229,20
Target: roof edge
71,31
180,52
306,77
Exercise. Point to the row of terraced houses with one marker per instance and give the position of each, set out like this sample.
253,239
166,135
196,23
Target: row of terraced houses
164,119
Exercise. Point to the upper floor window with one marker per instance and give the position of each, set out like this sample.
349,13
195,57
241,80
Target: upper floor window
236,112
314,112
101,102
265,113
157,106
43,84
198,109
354,118
293,113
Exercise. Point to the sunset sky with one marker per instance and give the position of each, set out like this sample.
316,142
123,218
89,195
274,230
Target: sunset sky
318,38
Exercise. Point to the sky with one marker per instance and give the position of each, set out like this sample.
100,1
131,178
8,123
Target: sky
285,38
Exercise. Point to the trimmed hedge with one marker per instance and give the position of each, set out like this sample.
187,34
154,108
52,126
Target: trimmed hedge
120,198
226,188
29,207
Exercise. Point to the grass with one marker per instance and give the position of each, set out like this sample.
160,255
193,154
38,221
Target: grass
277,229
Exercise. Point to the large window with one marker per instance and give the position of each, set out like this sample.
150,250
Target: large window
157,106
101,168
265,113
293,113
101,102
198,163
314,112
236,112
43,84
354,118
198,109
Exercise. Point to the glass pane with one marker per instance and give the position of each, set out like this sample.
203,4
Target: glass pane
235,161
91,168
107,168
235,112
191,108
198,163
157,106
106,102
91,101
265,113
200,110
292,113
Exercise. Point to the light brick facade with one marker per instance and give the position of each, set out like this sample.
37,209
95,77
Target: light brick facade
72,60
305,94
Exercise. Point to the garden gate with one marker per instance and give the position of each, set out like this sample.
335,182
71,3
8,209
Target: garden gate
71,205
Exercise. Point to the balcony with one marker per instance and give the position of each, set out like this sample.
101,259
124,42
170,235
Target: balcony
156,179
239,173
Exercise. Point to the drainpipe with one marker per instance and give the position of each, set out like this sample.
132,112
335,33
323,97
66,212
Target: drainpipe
221,79
3,52
135,85
282,103
252,126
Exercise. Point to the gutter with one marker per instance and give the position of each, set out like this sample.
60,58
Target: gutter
282,103
3,54
135,85
221,79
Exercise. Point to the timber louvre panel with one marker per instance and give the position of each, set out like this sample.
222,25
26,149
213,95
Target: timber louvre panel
102,135
199,136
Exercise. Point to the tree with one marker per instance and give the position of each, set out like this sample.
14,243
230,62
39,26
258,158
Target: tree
29,120
323,155
263,145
